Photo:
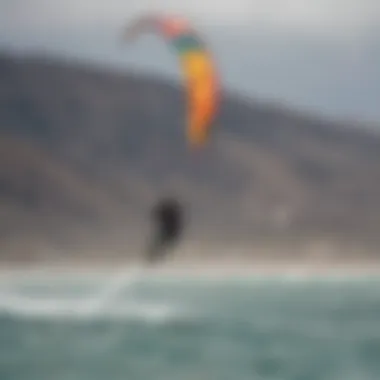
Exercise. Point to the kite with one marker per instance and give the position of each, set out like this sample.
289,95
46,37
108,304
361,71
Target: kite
198,68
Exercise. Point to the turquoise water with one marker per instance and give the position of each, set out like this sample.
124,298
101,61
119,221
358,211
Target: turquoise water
181,328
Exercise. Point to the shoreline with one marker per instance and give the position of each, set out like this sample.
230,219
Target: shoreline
204,268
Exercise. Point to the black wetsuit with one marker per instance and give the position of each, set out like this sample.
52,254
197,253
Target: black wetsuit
168,219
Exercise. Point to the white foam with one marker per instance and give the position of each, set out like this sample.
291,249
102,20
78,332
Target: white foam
37,308
103,304
119,281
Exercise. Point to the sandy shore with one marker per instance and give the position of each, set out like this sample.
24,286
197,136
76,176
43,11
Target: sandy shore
207,268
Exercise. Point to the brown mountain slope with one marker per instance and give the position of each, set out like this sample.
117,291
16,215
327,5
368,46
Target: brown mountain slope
43,201
90,148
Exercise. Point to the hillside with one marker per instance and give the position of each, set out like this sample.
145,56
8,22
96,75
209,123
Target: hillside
85,152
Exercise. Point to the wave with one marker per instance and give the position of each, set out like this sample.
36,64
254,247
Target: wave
113,300
155,312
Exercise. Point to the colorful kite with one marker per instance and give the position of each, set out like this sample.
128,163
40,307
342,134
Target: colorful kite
197,66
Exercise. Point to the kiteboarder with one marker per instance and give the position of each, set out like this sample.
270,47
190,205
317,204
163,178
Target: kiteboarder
167,217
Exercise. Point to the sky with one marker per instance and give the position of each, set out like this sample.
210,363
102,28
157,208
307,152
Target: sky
321,56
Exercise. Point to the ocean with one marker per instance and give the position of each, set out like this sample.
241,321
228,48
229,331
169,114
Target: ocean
159,327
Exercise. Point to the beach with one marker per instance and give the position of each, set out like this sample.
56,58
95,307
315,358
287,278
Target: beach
206,267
